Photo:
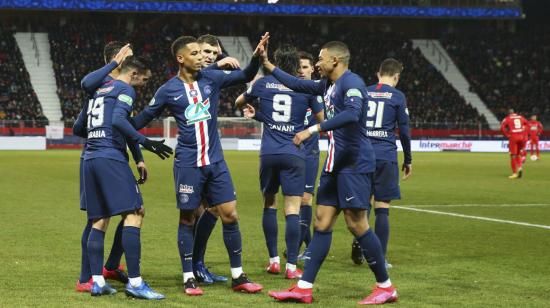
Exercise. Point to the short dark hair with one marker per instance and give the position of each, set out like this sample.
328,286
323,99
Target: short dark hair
287,59
111,49
140,64
339,48
306,56
390,67
180,43
208,39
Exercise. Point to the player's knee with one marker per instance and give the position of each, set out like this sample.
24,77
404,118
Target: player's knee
141,212
382,204
228,212
356,221
133,220
100,224
270,201
187,217
307,199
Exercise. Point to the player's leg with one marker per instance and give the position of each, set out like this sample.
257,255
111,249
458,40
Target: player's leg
312,168
204,225
113,269
269,185
220,193
98,213
271,230
520,157
536,143
531,147
292,179
354,199
325,216
189,182
84,284
513,149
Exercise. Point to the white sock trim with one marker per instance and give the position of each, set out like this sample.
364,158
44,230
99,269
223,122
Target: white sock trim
274,260
385,284
291,267
187,276
99,279
236,272
304,284
135,282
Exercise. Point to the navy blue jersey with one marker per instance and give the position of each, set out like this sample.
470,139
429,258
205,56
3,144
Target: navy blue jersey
387,107
350,150
312,144
284,112
195,109
103,139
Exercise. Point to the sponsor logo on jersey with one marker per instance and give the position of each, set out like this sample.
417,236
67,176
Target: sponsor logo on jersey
387,95
186,189
125,99
198,112
278,86
106,90
97,134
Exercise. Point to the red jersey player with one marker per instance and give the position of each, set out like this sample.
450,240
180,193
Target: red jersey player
535,130
514,127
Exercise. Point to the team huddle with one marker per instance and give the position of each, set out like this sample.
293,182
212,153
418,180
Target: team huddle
361,167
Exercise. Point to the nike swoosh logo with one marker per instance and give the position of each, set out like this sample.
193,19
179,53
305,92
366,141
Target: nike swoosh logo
309,186
177,97
348,199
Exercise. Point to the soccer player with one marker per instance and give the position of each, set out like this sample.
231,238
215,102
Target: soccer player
200,171
282,163
345,184
114,53
109,185
535,130
386,107
513,127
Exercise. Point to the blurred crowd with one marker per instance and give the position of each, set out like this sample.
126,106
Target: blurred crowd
18,100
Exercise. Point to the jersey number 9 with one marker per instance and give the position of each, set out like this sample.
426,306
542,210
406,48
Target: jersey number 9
282,104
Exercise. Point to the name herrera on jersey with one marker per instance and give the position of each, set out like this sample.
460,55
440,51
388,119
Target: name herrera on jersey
282,127
377,133
96,134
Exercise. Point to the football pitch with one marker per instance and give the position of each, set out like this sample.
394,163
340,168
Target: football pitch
463,235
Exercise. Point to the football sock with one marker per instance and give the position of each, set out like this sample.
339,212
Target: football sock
99,279
274,260
513,163
269,224
187,276
236,272
131,243
316,254
116,250
233,243
95,251
373,253
185,247
291,267
85,273
382,227
292,238
305,223
135,282
518,162
203,229
304,284
385,284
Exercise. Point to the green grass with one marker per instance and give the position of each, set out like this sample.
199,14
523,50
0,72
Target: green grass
438,260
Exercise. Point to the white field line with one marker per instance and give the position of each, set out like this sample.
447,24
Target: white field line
473,217
479,205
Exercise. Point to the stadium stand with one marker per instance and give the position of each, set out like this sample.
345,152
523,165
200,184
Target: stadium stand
498,65
18,101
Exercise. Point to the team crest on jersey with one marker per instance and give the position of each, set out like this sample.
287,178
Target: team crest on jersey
186,189
106,90
308,114
198,112
207,90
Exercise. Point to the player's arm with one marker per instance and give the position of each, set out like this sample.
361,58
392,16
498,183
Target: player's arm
540,129
318,108
79,126
405,137
503,127
226,63
121,112
352,110
154,110
315,87
135,149
93,80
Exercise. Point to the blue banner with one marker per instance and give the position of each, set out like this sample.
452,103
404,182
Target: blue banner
262,9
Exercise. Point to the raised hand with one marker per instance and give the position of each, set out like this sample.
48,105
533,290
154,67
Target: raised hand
229,63
123,53
249,112
261,49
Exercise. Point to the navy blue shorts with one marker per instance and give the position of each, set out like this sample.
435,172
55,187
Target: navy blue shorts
212,182
82,195
109,188
285,170
312,168
386,181
345,190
